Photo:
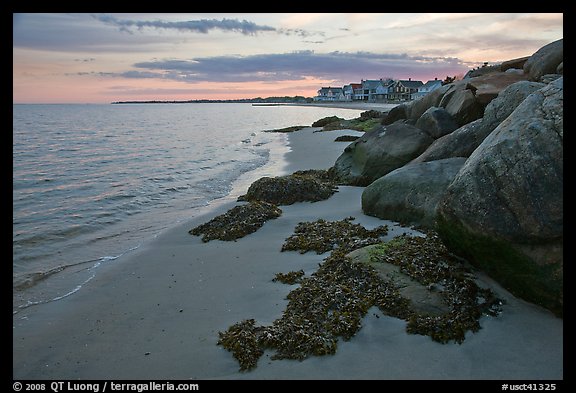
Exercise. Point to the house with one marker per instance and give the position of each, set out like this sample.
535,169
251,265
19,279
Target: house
350,90
368,88
330,94
382,90
404,90
428,87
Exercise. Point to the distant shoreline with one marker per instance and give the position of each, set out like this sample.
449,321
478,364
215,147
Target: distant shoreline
280,101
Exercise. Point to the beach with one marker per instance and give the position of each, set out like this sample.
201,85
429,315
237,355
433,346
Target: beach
362,105
156,313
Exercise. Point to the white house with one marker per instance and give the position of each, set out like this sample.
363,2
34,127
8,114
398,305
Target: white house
330,94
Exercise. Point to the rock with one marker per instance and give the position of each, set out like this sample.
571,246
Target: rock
379,152
421,298
488,87
326,120
397,113
411,193
549,78
545,60
372,114
513,64
504,209
508,100
560,68
437,122
460,143
463,141
416,108
302,186
463,107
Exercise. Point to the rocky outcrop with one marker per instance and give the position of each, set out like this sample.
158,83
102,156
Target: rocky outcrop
463,141
504,209
410,194
470,96
379,152
545,61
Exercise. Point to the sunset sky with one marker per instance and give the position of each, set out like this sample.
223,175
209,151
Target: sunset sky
100,58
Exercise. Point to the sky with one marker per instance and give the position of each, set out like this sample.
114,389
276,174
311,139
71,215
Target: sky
101,58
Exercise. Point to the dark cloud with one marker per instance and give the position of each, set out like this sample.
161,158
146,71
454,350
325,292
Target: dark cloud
198,26
343,66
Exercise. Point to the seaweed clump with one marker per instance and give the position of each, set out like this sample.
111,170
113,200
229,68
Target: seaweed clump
237,222
327,306
346,138
241,340
289,278
331,303
311,185
427,260
322,236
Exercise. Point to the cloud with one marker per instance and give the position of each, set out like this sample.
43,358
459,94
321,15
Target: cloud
299,65
202,26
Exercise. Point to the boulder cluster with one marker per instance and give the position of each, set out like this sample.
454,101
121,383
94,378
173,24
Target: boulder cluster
479,160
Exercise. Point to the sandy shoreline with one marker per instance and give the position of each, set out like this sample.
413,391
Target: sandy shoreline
361,105
157,313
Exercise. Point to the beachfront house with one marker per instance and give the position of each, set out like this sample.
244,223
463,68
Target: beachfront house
404,90
382,90
369,88
350,90
427,87
330,94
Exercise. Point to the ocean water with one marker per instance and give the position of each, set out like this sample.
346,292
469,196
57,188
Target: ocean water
93,182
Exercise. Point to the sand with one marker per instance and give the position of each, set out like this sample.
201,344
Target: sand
361,105
156,313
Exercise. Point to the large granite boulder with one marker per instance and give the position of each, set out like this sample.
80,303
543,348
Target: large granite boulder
504,209
411,193
514,64
416,108
460,143
489,87
379,152
463,106
399,112
545,60
463,141
437,122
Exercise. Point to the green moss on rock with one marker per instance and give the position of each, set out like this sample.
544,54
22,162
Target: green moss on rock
511,268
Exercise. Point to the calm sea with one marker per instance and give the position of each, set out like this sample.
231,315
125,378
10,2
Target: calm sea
93,182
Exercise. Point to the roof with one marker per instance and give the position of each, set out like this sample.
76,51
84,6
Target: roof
431,83
411,84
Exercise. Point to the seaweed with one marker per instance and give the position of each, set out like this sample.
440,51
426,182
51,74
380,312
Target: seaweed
237,222
322,236
331,303
301,186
